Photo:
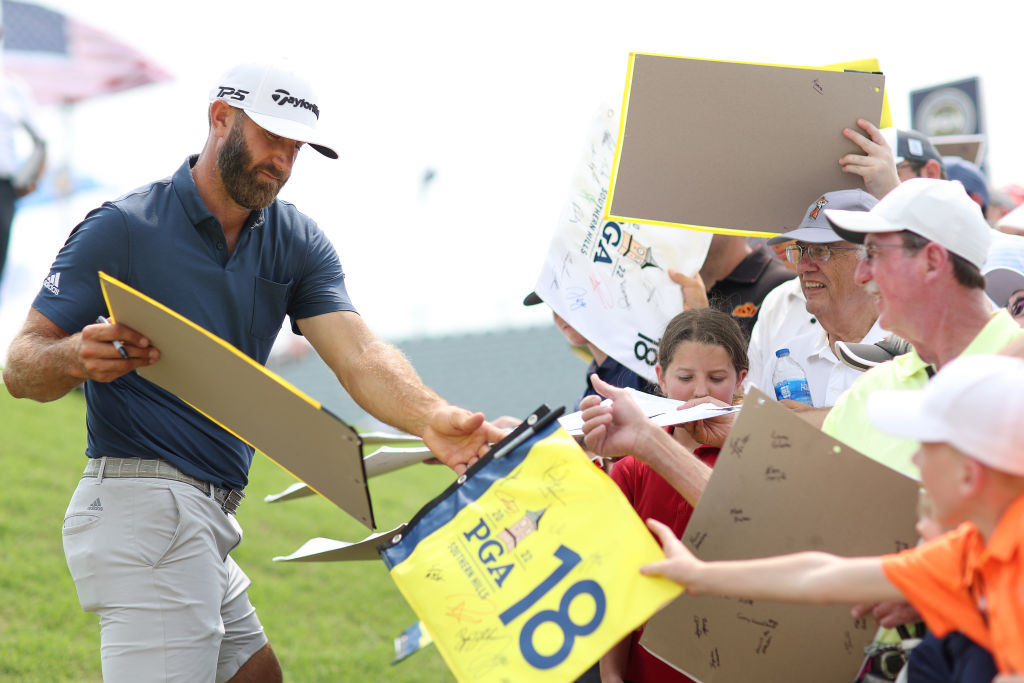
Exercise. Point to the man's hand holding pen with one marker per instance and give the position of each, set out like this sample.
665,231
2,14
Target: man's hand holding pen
108,350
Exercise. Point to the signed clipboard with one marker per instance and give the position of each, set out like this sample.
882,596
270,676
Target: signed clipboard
782,486
238,394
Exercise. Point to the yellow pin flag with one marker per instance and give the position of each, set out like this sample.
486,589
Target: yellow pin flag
528,567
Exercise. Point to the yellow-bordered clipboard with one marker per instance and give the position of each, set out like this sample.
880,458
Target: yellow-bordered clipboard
735,147
248,400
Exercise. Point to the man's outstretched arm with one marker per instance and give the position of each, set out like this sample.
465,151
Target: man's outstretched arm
380,379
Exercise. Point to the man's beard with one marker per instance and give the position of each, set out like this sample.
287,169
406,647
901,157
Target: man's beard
243,182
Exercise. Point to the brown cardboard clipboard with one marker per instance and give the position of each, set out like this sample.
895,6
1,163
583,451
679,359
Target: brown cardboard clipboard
732,147
247,400
782,486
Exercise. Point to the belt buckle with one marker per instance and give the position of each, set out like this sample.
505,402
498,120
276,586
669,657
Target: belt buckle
232,501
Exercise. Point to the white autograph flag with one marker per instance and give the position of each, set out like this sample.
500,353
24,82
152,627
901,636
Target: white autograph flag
609,280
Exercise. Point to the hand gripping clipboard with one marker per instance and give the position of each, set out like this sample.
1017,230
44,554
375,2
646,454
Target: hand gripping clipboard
731,147
237,393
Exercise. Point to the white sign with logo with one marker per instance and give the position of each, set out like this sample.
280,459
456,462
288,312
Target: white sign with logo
609,279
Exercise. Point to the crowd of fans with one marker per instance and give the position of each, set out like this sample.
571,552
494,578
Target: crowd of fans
875,292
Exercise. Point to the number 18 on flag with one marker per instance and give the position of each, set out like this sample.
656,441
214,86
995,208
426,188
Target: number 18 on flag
528,568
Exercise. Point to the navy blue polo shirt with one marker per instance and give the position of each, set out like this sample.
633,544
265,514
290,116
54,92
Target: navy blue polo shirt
163,241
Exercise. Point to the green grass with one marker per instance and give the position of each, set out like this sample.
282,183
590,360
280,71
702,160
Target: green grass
327,621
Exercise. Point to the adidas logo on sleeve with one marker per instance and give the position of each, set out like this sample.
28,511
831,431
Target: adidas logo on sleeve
52,283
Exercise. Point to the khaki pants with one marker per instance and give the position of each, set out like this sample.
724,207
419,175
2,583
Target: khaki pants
150,557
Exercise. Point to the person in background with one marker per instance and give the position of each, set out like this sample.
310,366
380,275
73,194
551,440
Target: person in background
1012,223
839,309
1005,286
1000,203
17,179
971,177
914,154
736,279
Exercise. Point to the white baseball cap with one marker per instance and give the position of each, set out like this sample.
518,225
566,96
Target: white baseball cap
938,210
277,99
975,404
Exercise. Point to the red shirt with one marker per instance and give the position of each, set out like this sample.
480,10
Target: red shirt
957,583
653,497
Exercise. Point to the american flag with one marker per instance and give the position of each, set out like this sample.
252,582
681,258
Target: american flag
63,60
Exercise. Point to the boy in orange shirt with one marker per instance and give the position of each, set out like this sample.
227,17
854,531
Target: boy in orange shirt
970,421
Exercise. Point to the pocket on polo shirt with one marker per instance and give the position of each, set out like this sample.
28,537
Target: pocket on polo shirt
269,307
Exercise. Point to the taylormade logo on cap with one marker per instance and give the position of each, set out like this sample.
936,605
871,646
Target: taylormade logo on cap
283,97
277,99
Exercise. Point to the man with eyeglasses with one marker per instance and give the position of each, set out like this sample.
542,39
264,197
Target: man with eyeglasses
924,246
836,308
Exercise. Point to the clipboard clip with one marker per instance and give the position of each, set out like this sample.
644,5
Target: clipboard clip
534,422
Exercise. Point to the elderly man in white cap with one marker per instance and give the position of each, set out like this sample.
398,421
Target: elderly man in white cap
836,308
149,528
968,580
924,246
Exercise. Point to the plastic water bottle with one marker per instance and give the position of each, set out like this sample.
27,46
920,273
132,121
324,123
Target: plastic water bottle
789,379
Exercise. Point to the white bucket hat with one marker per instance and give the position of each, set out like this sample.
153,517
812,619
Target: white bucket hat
275,98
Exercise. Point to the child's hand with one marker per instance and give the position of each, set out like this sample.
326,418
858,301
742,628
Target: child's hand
679,563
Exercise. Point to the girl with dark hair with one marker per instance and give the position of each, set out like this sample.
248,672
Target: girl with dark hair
702,357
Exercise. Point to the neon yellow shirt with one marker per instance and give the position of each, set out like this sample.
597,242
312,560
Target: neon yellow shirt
848,420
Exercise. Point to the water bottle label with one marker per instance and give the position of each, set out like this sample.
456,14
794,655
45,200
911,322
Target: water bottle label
794,389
